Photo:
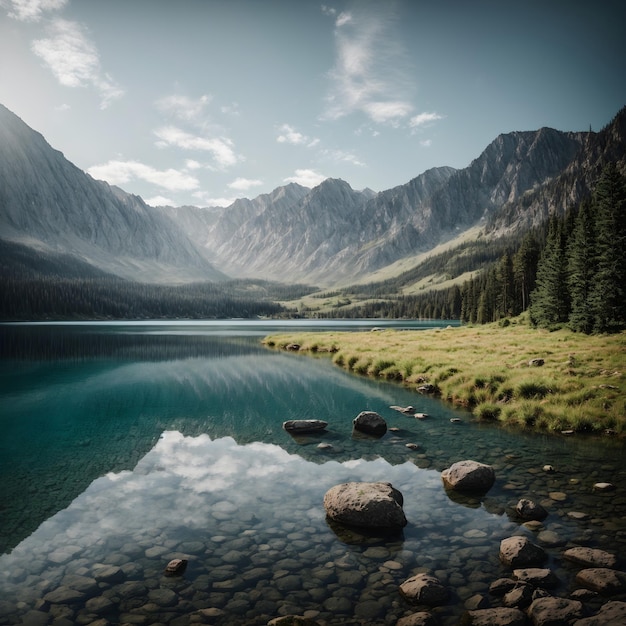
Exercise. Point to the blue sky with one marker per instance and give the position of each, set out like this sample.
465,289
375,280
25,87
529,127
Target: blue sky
204,101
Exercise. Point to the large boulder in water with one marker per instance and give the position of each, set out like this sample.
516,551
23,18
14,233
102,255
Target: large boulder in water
519,552
366,505
469,476
370,423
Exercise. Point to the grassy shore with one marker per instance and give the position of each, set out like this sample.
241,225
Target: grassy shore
487,370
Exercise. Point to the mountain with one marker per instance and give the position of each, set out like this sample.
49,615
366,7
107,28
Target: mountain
52,213
53,210
333,234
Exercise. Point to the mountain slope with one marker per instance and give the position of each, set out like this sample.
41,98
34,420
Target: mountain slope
52,207
333,235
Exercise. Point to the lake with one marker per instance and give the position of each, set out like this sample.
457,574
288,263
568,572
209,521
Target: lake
126,445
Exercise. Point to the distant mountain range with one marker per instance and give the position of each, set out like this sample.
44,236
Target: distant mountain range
55,219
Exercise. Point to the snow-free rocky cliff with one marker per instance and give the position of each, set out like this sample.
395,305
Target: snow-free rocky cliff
327,235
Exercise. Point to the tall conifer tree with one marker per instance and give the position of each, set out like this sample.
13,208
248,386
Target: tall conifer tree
608,293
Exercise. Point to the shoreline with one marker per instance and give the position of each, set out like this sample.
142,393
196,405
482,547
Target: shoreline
549,381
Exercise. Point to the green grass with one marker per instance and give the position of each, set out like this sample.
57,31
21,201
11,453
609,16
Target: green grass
486,370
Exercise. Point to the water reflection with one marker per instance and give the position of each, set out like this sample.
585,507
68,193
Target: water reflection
195,498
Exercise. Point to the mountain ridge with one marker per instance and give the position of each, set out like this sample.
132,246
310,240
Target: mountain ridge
328,235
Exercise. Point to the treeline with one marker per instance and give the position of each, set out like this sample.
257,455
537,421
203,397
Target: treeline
575,276
112,298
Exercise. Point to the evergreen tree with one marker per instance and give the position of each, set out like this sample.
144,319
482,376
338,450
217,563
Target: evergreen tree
608,297
550,298
525,270
582,269
504,296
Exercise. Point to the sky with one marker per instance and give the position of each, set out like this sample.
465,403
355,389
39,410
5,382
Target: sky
200,102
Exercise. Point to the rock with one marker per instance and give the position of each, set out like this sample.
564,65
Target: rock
520,552
469,476
370,423
292,620
529,510
604,487
424,589
501,586
163,597
550,611
519,597
412,446
64,595
304,426
538,362
602,579
495,617
421,618
407,410
427,388
610,614
110,574
100,605
421,416
294,347
476,602
365,505
549,469
590,557
536,576
176,567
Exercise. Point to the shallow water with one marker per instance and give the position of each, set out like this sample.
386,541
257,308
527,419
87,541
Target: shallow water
128,445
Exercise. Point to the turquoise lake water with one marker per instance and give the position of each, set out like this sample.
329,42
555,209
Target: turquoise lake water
128,444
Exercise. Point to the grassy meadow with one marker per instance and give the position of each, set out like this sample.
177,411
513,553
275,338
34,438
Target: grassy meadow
487,370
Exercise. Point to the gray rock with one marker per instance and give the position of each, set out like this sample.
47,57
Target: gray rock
610,614
520,552
109,574
590,557
519,597
501,616
424,589
469,476
550,611
163,597
99,605
602,579
529,510
64,595
304,426
370,423
501,586
365,505
422,618
536,576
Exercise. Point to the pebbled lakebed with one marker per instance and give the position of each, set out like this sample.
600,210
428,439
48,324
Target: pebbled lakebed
126,446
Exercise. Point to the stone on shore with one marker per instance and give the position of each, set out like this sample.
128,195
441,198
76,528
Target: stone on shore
370,423
469,476
602,579
590,557
424,589
612,613
365,505
550,611
520,552
500,616
421,618
536,576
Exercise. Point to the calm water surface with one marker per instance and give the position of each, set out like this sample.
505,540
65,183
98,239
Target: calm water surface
125,445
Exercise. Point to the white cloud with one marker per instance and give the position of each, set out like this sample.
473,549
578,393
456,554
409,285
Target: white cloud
74,60
183,107
343,156
220,147
426,143
31,10
244,184
158,201
370,74
207,200
121,172
424,119
288,134
191,164
306,178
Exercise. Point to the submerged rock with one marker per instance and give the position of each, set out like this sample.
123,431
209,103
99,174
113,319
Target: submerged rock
365,505
529,510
